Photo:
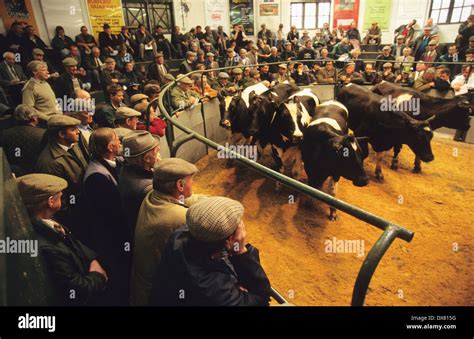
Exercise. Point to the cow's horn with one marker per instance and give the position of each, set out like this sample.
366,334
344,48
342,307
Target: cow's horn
431,117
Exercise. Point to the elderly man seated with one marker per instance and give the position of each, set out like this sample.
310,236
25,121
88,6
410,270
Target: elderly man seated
209,262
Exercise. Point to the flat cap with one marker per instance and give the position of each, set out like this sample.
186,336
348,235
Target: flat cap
190,53
139,143
61,121
137,97
288,43
237,70
171,169
158,54
223,75
70,62
109,60
185,80
282,66
38,187
471,38
126,112
432,43
386,48
350,64
24,113
254,72
387,65
400,37
169,76
317,31
210,54
230,49
214,219
38,51
470,51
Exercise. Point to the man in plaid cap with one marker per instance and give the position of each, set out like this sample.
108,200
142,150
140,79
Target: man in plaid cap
209,263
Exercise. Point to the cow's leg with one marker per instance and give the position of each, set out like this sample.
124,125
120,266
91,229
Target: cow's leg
292,160
235,138
259,150
417,168
378,167
332,190
277,154
396,152
306,201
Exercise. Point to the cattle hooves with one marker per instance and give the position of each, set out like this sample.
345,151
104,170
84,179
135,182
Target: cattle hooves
333,216
394,166
416,170
278,187
379,177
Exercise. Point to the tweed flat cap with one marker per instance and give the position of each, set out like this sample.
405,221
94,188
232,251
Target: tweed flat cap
70,62
139,143
471,38
223,75
137,97
387,65
24,113
109,60
210,54
61,121
159,54
126,112
38,51
36,188
190,53
237,70
400,37
470,51
169,76
387,48
432,43
230,49
214,219
282,66
171,169
185,80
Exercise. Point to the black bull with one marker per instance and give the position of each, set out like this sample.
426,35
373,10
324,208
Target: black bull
384,128
450,113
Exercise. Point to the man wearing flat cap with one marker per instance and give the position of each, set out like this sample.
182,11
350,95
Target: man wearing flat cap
141,154
386,56
421,42
77,275
38,93
282,75
182,96
126,120
224,88
430,55
68,83
38,55
110,75
350,75
23,143
187,65
209,263
158,69
374,35
386,74
162,212
65,156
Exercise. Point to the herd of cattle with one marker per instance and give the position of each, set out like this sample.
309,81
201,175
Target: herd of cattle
331,139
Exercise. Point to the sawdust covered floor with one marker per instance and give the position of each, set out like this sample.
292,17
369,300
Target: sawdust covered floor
436,268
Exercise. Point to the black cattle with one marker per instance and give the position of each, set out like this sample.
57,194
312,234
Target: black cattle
277,126
329,151
385,128
451,113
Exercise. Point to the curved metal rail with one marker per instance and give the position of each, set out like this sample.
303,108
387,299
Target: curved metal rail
391,231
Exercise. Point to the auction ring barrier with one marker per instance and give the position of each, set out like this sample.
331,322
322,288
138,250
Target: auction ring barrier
391,231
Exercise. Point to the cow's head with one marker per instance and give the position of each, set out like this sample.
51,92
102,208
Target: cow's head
261,112
419,138
349,157
236,113
456,115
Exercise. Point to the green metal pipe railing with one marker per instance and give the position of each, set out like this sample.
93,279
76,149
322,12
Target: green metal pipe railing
391,230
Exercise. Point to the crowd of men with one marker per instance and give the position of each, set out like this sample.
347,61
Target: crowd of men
118,225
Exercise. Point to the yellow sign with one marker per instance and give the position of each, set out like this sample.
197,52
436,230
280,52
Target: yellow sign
105,11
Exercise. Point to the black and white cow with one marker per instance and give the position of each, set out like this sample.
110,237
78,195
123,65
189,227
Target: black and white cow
384,128
329,151
278,127
241,120
451,113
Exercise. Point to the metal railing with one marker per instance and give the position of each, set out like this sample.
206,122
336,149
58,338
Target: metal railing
391,231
